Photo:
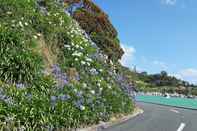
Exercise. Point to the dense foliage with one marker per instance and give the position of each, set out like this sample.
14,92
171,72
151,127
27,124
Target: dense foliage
51,74
162,82
18,63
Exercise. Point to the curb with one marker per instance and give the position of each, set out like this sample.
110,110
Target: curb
104,125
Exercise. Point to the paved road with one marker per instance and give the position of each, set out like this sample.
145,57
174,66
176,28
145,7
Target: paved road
160,118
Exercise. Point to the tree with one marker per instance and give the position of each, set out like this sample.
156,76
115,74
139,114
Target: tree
164,74
144,73
97,24
194,91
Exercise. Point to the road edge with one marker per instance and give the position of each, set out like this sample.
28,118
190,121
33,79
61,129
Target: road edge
180,107
114,121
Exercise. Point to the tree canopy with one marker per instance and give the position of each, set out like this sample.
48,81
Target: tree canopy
96,24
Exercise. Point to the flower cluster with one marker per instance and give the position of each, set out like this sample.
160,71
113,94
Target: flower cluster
61,77
93,71
7,99
20,86
62,97
127,87
79,104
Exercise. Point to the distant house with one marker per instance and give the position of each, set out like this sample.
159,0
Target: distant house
180,89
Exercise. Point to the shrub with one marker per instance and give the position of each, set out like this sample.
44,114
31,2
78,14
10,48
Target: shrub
18,63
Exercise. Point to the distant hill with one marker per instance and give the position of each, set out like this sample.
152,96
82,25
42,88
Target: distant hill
165,83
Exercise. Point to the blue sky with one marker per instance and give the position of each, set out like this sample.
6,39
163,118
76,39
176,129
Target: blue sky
157,34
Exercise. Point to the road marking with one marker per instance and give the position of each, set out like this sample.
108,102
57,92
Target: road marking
176,111
181,127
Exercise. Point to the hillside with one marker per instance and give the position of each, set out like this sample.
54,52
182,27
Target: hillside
162,82
96,24
51,73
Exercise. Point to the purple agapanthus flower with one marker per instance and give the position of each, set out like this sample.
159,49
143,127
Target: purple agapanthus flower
53,98
56,69
29,96
79,94
64,97
20,86
5,98
65,81
79,105
61,77
62,83
78,78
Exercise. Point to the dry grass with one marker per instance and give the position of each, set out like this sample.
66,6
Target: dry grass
46,51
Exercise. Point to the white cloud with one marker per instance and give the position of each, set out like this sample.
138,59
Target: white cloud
128,56
178,76
161,64
169,2
188,75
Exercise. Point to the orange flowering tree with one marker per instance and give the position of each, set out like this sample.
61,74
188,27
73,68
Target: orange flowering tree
97,24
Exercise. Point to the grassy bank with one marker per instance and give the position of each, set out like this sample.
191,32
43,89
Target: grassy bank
51,73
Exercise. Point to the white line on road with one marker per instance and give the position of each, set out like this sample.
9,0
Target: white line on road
176,111
181,127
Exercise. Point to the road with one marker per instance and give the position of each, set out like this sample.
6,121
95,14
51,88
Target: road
160,118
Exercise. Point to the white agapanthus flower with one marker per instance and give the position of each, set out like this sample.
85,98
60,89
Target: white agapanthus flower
77,46
20,23
38,34
75,90
98,84
88,63
81,48
82,108
101,70
9,13
35,37
109,86
79,54
72,44
83,62
84,85
92,91
111,62
76,59
67,46
88,59
26,24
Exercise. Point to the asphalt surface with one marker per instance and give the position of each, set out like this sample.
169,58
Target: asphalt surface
160,118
